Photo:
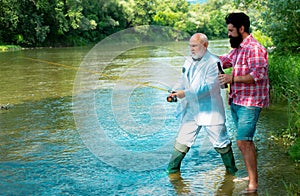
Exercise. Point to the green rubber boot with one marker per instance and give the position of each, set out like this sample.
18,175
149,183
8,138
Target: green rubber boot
178,154
228,159
175,161
229,162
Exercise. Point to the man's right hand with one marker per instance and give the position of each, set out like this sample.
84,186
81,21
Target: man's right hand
179,93
225,79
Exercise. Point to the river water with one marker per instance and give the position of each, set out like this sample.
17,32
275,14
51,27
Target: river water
84,122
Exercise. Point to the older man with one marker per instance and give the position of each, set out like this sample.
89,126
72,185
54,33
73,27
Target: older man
201,105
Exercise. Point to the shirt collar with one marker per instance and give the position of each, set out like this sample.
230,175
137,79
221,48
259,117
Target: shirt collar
246,40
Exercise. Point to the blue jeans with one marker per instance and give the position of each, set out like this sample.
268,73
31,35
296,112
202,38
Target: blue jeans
245,119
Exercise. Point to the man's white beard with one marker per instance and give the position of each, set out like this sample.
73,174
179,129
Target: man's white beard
200,54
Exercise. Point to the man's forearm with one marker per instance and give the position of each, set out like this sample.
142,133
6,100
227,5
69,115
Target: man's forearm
243,79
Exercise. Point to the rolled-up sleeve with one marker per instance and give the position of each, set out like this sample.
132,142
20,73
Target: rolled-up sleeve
258,63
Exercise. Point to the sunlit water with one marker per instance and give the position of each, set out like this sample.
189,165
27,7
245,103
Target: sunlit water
44,152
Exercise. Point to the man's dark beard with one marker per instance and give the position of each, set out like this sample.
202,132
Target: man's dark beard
236,41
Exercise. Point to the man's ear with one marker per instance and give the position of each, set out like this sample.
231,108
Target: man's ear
206,44
242,29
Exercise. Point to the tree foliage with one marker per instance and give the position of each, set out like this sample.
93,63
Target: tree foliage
76,22
282,24
279,19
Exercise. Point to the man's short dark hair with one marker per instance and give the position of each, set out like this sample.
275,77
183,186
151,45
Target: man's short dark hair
238,20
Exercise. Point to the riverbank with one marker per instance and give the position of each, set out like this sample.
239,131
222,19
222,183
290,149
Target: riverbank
284,73
6,48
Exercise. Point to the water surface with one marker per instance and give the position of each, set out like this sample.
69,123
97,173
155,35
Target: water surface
43,151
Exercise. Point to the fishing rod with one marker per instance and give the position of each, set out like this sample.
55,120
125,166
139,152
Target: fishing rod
94,72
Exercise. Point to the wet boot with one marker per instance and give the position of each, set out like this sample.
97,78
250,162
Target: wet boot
229,162
228,159
176,158
175,161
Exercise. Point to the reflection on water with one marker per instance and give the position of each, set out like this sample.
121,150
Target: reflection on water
42,152
180,185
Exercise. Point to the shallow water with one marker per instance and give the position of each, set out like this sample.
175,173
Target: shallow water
110,131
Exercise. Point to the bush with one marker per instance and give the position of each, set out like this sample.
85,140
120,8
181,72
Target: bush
284,74
294,151
263,39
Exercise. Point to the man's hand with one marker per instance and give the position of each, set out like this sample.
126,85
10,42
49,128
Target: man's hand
225,79
179,93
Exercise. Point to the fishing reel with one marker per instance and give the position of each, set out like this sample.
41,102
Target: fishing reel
170,98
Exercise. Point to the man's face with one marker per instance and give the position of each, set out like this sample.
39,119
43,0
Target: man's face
234,35
197,49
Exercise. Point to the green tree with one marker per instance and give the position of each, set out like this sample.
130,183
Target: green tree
172,13
138,12
102,18
209,18
282,24
8,20
278,19
19,22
